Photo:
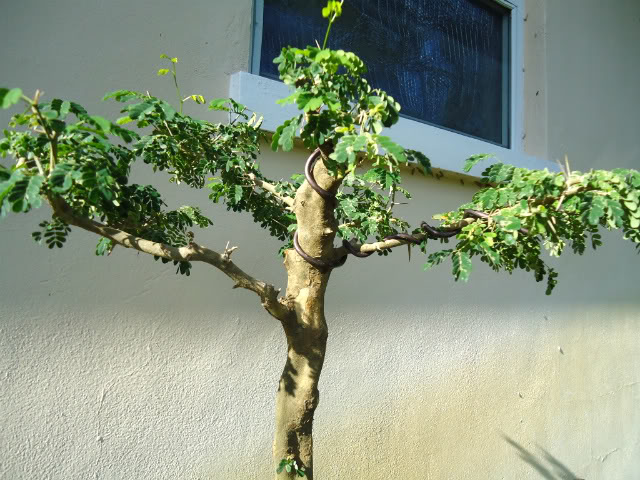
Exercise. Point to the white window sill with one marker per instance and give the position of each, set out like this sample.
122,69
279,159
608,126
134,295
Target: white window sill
446,150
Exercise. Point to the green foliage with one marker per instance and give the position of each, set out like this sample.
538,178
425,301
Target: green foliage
68,154
63,152
333,8
290,465
474,159
285,134
333,95
436,258
364,212
19,191
9,97
341,111
231,106
332,11
54,233
104,246
461,265
532,211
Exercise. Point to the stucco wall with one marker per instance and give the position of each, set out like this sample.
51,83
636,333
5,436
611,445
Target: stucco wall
118,369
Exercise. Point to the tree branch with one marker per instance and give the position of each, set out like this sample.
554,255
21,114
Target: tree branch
386,244
573,187
192,253
268,187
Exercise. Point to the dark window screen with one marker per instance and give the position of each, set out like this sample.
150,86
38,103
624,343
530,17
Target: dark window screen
445,61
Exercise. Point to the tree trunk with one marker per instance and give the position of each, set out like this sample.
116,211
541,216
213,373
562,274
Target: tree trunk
298,395
296,402
297,399
305,328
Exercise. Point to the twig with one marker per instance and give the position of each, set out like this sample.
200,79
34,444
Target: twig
167,125
50,135
567,173
268,187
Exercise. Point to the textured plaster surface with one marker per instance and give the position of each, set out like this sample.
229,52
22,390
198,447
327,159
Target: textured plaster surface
118,369
593,93
535,78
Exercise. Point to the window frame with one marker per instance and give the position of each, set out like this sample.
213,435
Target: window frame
447,149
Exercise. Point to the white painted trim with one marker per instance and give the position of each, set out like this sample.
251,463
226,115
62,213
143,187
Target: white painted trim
508,4
517,75
447,150
256,36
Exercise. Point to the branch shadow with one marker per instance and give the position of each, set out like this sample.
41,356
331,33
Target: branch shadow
314,358
555,470
288,378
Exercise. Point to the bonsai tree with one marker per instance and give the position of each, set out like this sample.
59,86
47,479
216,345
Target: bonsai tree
79,165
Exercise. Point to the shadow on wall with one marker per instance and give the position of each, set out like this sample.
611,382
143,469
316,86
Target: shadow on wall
556,469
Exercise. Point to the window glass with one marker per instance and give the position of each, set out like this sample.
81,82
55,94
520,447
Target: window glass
445,61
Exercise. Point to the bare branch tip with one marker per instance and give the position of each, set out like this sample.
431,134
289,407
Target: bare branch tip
226,255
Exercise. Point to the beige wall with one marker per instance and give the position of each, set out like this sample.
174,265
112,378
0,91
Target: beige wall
118,369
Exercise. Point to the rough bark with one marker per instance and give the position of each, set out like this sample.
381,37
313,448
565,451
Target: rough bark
305,328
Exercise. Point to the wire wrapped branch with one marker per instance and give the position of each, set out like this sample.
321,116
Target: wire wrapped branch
395,240
308,173
320,264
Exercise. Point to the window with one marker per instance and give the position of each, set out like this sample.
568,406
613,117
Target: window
472,106
445,61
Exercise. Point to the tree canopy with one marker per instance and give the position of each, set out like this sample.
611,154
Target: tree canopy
80,163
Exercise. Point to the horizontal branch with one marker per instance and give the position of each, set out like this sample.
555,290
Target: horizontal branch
573,187
190,253
268,187
392,243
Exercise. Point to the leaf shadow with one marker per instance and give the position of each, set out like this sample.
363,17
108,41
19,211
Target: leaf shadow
555,470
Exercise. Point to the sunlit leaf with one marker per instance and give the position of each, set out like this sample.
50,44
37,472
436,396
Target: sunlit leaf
470,162
9,97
